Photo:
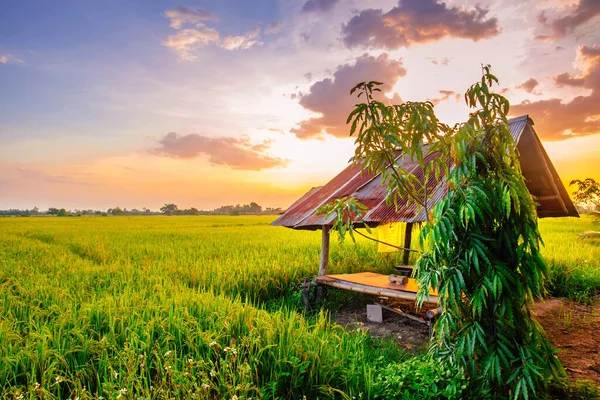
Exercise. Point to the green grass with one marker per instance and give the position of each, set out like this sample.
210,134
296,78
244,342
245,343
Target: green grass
160,307
203,307
574,263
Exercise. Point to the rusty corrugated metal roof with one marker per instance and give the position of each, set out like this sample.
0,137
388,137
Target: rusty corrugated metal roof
369,191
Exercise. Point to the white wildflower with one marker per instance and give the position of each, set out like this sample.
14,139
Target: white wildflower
122,393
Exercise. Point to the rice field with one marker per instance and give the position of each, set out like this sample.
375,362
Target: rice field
203,307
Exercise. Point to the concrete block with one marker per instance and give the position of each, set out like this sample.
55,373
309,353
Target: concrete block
374,313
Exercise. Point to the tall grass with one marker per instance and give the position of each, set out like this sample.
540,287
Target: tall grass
182,307
171,308
574,262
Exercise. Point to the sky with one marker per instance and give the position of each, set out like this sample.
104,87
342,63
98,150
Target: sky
139,103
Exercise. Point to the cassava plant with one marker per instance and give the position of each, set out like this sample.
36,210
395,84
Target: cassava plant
480,245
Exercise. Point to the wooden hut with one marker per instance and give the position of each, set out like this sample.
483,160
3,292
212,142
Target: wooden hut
542,180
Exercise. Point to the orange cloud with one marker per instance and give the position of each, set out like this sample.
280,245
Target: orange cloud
445,95
529,85
556,120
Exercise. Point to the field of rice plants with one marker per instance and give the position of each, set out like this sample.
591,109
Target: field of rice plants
204,307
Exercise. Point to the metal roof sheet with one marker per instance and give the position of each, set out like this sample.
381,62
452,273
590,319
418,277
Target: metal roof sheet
370,191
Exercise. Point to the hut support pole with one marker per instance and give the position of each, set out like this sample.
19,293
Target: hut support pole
324,250
407,242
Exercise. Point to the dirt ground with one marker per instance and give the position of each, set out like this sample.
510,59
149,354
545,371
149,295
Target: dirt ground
572,328
409,333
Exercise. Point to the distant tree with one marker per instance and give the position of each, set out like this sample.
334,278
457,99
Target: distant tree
53,211
115,211
254,208
588,192
61,213
169,209
190,211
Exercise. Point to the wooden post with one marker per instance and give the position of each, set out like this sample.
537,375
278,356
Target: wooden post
324,250
407,242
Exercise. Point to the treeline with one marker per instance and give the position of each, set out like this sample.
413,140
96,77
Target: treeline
245,209
167,209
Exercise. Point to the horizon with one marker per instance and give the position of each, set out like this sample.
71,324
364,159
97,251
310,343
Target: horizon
206,104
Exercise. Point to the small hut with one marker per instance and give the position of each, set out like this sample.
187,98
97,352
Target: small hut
542,180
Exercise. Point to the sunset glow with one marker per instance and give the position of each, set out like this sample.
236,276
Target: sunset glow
203,103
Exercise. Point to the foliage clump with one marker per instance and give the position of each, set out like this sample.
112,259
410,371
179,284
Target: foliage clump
480,244
420,378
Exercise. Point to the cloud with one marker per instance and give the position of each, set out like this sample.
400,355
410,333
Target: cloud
445,95
273,28
186,41
9,58
566,79
330,97
444,61
583,12
41,176
243,42
529,85
555,120
417,21
237,153
318,5
189,15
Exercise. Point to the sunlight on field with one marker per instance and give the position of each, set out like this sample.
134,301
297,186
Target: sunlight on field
157,306
196,307
574,263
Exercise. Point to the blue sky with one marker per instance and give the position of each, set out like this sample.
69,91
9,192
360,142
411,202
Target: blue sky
139,103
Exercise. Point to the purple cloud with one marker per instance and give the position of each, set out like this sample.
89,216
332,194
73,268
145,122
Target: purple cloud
580,14
417,21
330,97
189,15
237,153
318,5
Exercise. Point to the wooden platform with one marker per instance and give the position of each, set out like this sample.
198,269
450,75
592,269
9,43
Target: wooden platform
377,284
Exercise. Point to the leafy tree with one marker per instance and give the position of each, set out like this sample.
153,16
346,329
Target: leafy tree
588,192
480,243
53,211
169,209
61,213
